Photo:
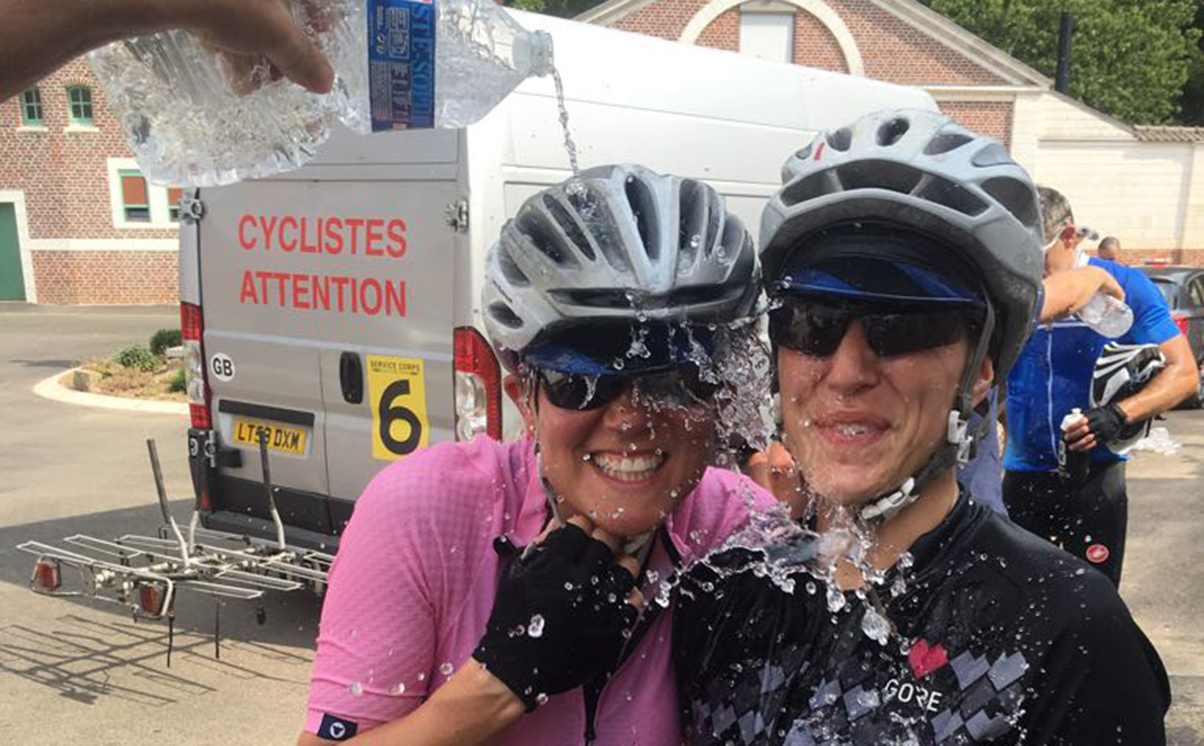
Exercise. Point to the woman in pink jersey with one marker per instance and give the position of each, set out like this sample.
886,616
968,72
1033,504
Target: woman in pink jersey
492,592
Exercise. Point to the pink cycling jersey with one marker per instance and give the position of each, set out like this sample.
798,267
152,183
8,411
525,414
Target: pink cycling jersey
414,582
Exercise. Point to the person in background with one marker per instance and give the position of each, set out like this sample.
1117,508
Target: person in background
37,37
1109,249
1087,516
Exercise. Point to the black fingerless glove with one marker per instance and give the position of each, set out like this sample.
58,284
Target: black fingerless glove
560,617
1106,422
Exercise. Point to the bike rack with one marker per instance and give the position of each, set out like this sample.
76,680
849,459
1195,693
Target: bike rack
144,573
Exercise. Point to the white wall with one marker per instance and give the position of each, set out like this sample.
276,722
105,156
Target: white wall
1135,191
1148,194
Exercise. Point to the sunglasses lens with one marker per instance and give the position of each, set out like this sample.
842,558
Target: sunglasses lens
903,333
817,328
678,387
809,328
681,387
569,391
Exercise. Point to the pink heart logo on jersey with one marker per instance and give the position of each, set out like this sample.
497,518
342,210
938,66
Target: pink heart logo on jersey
925,658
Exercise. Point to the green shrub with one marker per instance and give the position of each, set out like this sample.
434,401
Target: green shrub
137,356
177,381
163,339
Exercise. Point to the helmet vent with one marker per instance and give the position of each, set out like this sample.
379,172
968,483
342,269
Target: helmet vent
715,216
872,174
1016,197
815,185
951,195
945,142
643,208
891,132
734,236
569,226
617,299
510,269
502,314
535,226
692,222
841,139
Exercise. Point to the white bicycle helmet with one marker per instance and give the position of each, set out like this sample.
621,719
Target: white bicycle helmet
623,246
920,171
1120,372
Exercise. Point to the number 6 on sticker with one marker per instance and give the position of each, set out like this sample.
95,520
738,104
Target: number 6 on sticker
397,391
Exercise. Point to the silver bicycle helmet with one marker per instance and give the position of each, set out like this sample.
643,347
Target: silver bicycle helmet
620,244
922,172
1120,372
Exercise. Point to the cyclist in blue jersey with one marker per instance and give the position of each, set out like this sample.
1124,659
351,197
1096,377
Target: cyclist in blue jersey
1086,515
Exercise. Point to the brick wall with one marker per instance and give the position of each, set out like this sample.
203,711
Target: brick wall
723,32
895,51
664,18
63,173
106,277
815,46
990,118
1187,257
891,49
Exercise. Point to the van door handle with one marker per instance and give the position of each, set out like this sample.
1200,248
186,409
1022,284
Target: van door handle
351,377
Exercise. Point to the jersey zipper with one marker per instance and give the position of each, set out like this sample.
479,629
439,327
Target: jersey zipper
592,690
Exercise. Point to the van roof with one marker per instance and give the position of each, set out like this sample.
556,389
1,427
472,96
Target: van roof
609,66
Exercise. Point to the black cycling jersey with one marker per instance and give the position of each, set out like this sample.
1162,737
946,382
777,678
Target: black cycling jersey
1000,638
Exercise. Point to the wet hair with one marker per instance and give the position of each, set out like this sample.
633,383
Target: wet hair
1110,243
1055,212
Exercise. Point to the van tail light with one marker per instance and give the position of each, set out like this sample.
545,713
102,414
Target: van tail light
478,386
47,574
192,330
1182,320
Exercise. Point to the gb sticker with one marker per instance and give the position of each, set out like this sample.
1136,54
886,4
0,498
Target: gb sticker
221,366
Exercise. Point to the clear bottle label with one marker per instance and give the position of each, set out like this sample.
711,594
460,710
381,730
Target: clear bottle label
401,63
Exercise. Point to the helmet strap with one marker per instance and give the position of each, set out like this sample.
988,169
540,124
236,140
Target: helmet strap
960,435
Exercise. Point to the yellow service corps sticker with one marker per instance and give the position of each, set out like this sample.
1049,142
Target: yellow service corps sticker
397,390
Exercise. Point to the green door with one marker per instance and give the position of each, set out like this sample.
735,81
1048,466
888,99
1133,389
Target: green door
12,283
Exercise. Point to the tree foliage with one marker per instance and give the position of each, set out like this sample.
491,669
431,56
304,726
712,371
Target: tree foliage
1131,58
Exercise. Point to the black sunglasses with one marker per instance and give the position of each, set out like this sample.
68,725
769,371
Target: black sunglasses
816,327
679,386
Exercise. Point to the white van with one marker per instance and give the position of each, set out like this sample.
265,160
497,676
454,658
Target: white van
335,307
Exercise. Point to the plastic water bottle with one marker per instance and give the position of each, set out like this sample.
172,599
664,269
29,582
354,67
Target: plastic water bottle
1106,315
1073,464
433,63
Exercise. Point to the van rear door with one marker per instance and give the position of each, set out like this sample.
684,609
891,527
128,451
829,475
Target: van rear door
328,298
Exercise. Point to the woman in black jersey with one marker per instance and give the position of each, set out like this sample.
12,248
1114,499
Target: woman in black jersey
903,256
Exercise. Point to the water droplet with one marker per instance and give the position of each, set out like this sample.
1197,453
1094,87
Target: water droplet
447,669
356,688
535,627
399,688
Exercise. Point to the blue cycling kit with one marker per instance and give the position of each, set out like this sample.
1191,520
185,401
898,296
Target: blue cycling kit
1052,376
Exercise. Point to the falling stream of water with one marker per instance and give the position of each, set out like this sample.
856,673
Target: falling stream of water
570,147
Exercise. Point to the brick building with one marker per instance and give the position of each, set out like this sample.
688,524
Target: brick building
78,223
1146,185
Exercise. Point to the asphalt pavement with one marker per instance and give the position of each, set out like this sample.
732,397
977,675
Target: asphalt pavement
73,670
